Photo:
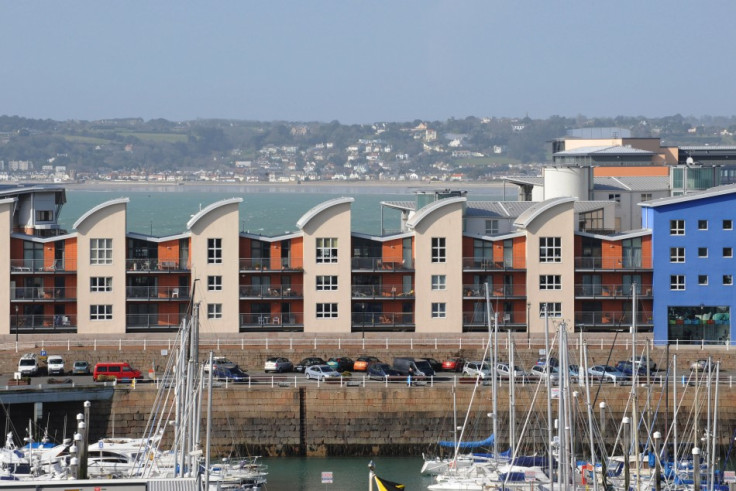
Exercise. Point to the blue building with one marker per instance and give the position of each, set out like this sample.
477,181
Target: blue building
693,241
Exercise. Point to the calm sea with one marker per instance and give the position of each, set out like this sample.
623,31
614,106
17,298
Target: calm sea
266,210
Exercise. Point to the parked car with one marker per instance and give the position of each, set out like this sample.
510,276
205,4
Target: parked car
453,365
234,374
703,365
607,373
278,364
542,372
379,371
363,362
627,368
219,362
28,365
121,370
308,362
418,367
574,371
321,372
503,370
341,363
80,368
477,369
436,365
542,360
643,362
55,365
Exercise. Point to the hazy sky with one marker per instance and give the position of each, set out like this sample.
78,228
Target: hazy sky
366,61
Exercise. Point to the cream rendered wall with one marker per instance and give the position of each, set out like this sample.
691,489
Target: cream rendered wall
558,221
221,222
446,222
108,221
6,219
334,221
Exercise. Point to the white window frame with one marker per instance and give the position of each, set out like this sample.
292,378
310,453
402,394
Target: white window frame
492,226
614,197
677,227
677,282
728,224
439,249
550,249
550,282
214,250
326,282
439,310
100,284
100,312
214,283
554,309
439,282
326,310
214,311
326,250
677,254
100,251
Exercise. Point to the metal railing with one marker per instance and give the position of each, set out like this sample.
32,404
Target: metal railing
271,291
271,264
27,322
156,292
478,291
612,263
479,318
272,320
381,264
42,265
386,292
151,264
489,264
383,320
611,318
612,290
42,293
153,321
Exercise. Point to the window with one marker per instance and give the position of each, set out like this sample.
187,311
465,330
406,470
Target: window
491,227
439,310
677,227
100,284
614,197
702,224
214,311
646,196
214,251
100,312
550,282
325,310
677,254
591,220
44,216
438,282
702,279
327,250
100,251
677,282
552,309
439,253
727,224
727,279
326,283
550,250
702,252
214,283
631,252
728,252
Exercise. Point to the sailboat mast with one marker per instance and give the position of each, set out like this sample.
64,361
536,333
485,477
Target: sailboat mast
548,368
634,375
512,396
493,338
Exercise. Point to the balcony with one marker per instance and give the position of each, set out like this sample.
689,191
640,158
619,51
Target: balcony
610,263
23,324
41,294
270,292
379,264
611,319
259,264
155,266
157,293
487,264
153,322
478,320
371,292
19,266
382,321
478,291
611,291
278,321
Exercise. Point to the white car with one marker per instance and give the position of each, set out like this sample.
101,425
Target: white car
28,365
477,369
541,372
55,365
321,372
503,370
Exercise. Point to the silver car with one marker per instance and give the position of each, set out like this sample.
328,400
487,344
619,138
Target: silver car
321,372
477,369
278,364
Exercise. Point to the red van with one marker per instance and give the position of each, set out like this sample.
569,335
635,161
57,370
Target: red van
120,370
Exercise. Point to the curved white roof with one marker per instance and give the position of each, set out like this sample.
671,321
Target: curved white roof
7,200
319,209
209,208
98,208
430,208
531,213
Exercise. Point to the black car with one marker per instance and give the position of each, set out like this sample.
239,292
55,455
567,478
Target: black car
308,362
341,363
379,371
436,365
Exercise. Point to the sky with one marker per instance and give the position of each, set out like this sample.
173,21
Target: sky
357,61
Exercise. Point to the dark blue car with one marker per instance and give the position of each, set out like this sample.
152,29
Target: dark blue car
380,371
234,374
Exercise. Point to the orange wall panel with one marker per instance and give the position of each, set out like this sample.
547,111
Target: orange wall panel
168,251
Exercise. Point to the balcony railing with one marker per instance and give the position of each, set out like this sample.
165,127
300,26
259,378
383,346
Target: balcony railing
150,265
382,320
488,264
154,321
268,264
390,292
157,292
611,318
271,292
24,323
611,263
381,264
479,318
478,291
275,321
612,290
41,293
42,265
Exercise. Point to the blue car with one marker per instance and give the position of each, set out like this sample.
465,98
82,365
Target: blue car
379,371
234,374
